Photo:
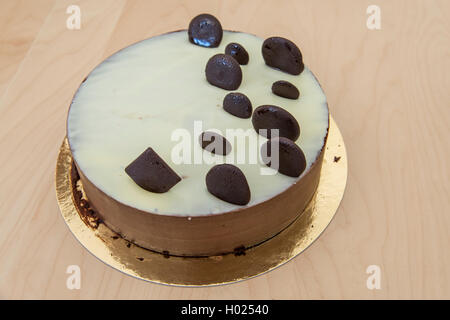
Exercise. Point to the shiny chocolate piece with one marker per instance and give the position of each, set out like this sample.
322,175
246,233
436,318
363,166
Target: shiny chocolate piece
238,52
151,173
291,159
224,72
205,31
283,54
285,89
238,104
228,183
272,117
214,143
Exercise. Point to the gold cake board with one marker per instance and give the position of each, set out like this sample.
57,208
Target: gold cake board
144,264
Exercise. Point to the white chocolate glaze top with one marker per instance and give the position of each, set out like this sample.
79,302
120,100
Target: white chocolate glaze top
137,98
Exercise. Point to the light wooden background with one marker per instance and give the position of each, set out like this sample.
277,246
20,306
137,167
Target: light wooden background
388,90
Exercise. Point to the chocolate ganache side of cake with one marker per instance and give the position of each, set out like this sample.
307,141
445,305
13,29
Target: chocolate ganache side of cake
151,135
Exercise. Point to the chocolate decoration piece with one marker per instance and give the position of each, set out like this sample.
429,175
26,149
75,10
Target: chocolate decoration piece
228,183
285,89
151,173
291,159
238,52
283,54
273,117
224,72
214,143
205,31
238,104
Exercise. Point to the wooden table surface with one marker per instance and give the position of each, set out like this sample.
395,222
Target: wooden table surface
388,90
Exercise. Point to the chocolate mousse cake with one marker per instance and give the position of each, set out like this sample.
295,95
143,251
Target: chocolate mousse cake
174,139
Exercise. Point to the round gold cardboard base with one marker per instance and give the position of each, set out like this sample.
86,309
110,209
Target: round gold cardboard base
151,266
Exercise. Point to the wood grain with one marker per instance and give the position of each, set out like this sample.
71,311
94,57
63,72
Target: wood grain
388,90
19,26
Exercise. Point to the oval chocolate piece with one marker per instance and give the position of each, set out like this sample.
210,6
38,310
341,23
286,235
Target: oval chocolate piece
214,143
151,173
285,89
224,72
205,31
228,183
272,117
238,104
283,54
291,160
238,52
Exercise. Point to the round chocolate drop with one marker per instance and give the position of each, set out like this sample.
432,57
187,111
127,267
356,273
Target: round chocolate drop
283,54
205,31
291,159
285,89
238,52
228,183
238,104
268,117
214,143
224,72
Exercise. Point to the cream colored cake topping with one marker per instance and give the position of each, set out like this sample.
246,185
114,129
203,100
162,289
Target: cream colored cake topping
144,93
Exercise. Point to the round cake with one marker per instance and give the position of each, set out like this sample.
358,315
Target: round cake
147,126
